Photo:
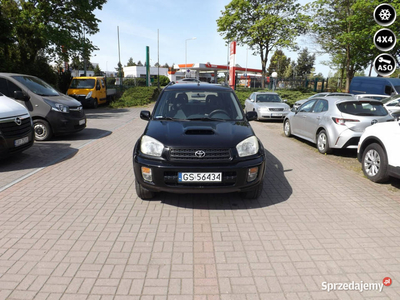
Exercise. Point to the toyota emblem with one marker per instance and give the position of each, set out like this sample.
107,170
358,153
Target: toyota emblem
18,121
374,122
200,153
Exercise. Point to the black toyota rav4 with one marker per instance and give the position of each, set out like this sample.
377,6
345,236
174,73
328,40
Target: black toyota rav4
198,140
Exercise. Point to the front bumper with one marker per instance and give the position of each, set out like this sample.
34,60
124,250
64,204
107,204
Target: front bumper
278,115
71,122
7,144
165,176
83,100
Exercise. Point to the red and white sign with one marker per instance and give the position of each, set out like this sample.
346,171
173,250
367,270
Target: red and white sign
232,65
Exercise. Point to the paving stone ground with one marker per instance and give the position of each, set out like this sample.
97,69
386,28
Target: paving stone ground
76,230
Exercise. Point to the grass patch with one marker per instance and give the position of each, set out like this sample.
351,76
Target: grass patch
136,96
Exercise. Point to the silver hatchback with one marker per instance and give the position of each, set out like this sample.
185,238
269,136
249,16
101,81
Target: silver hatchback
334,122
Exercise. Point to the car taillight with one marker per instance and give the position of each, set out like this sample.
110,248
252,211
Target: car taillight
341,121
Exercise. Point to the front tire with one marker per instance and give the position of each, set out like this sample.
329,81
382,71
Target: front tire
254,193
287,129
143,193
323,143
42,130
374,163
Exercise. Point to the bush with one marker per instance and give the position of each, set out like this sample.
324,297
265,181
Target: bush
110,81
164,80
136,96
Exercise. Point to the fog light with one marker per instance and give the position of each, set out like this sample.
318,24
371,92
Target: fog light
252,174
146,174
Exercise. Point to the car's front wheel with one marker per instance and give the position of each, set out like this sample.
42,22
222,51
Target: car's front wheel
287,129
322,142
374,163
42,130
254,193
143,193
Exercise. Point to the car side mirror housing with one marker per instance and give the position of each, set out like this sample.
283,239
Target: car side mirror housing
284,100
252,100
251,115
20,95
145,115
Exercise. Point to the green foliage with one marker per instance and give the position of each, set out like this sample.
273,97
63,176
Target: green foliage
136,96
110,81
263,25
305,63
64,80
279,63
120,71
164,80
97,71
130,63
129,82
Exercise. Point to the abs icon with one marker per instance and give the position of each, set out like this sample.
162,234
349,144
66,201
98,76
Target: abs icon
384,64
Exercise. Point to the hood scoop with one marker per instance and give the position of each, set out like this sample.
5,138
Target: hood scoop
199,131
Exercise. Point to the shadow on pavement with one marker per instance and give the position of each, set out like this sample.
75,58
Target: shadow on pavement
40,155
276,190
85,134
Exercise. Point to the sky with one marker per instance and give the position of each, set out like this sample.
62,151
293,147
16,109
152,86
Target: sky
176,21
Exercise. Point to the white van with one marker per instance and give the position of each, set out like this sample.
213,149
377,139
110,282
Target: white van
16,127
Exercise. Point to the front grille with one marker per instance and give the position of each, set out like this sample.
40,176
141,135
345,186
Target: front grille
228,179
76,111
80,98
10,129
210,154
276,109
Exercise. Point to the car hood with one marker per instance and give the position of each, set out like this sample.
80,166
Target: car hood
63,99
271,104
11,108
199,133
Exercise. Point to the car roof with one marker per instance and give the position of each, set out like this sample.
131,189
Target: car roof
200,86
265,93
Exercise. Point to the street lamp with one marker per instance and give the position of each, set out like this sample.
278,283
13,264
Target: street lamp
193,38
274,75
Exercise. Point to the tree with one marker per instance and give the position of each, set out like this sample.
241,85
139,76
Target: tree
263,25
130,62
305,63
120,70
165,65
139,63
279,62
345,29
290,70
97,71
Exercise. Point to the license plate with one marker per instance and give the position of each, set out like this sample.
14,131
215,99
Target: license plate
21,142
277,115
199,177
81,122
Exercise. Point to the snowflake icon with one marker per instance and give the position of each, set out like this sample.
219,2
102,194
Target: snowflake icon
384,14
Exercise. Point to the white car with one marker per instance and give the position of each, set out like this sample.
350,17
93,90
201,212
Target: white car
371,96
268,106
378,151
392,104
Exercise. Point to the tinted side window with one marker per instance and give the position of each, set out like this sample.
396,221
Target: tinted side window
388,90
307,107
12,88
3,87
321,106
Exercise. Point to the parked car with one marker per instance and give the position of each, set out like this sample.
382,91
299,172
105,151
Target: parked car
375,85
392,104
198,140
378,151
371,96
188,80
16,127
52,112
334,122
298,103
267,105
91,91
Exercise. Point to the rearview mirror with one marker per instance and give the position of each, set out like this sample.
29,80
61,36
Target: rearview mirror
251,115
145,115
20,95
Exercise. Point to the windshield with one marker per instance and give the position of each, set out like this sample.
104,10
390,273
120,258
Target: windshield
388,99
82,84
363,108
37,85
198,105
268,98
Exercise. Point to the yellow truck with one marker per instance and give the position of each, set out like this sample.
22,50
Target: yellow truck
90,91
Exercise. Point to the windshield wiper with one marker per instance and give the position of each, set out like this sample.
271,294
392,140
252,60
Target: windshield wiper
206,119
167,118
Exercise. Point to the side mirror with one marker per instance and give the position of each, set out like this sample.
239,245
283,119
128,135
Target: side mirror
252,100
284,100
145,115
251,115
20,95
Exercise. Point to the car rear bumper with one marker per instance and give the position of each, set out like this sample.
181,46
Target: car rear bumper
165,176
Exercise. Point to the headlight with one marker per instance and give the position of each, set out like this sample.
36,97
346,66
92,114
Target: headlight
247,147
89,95
151,146
57,106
